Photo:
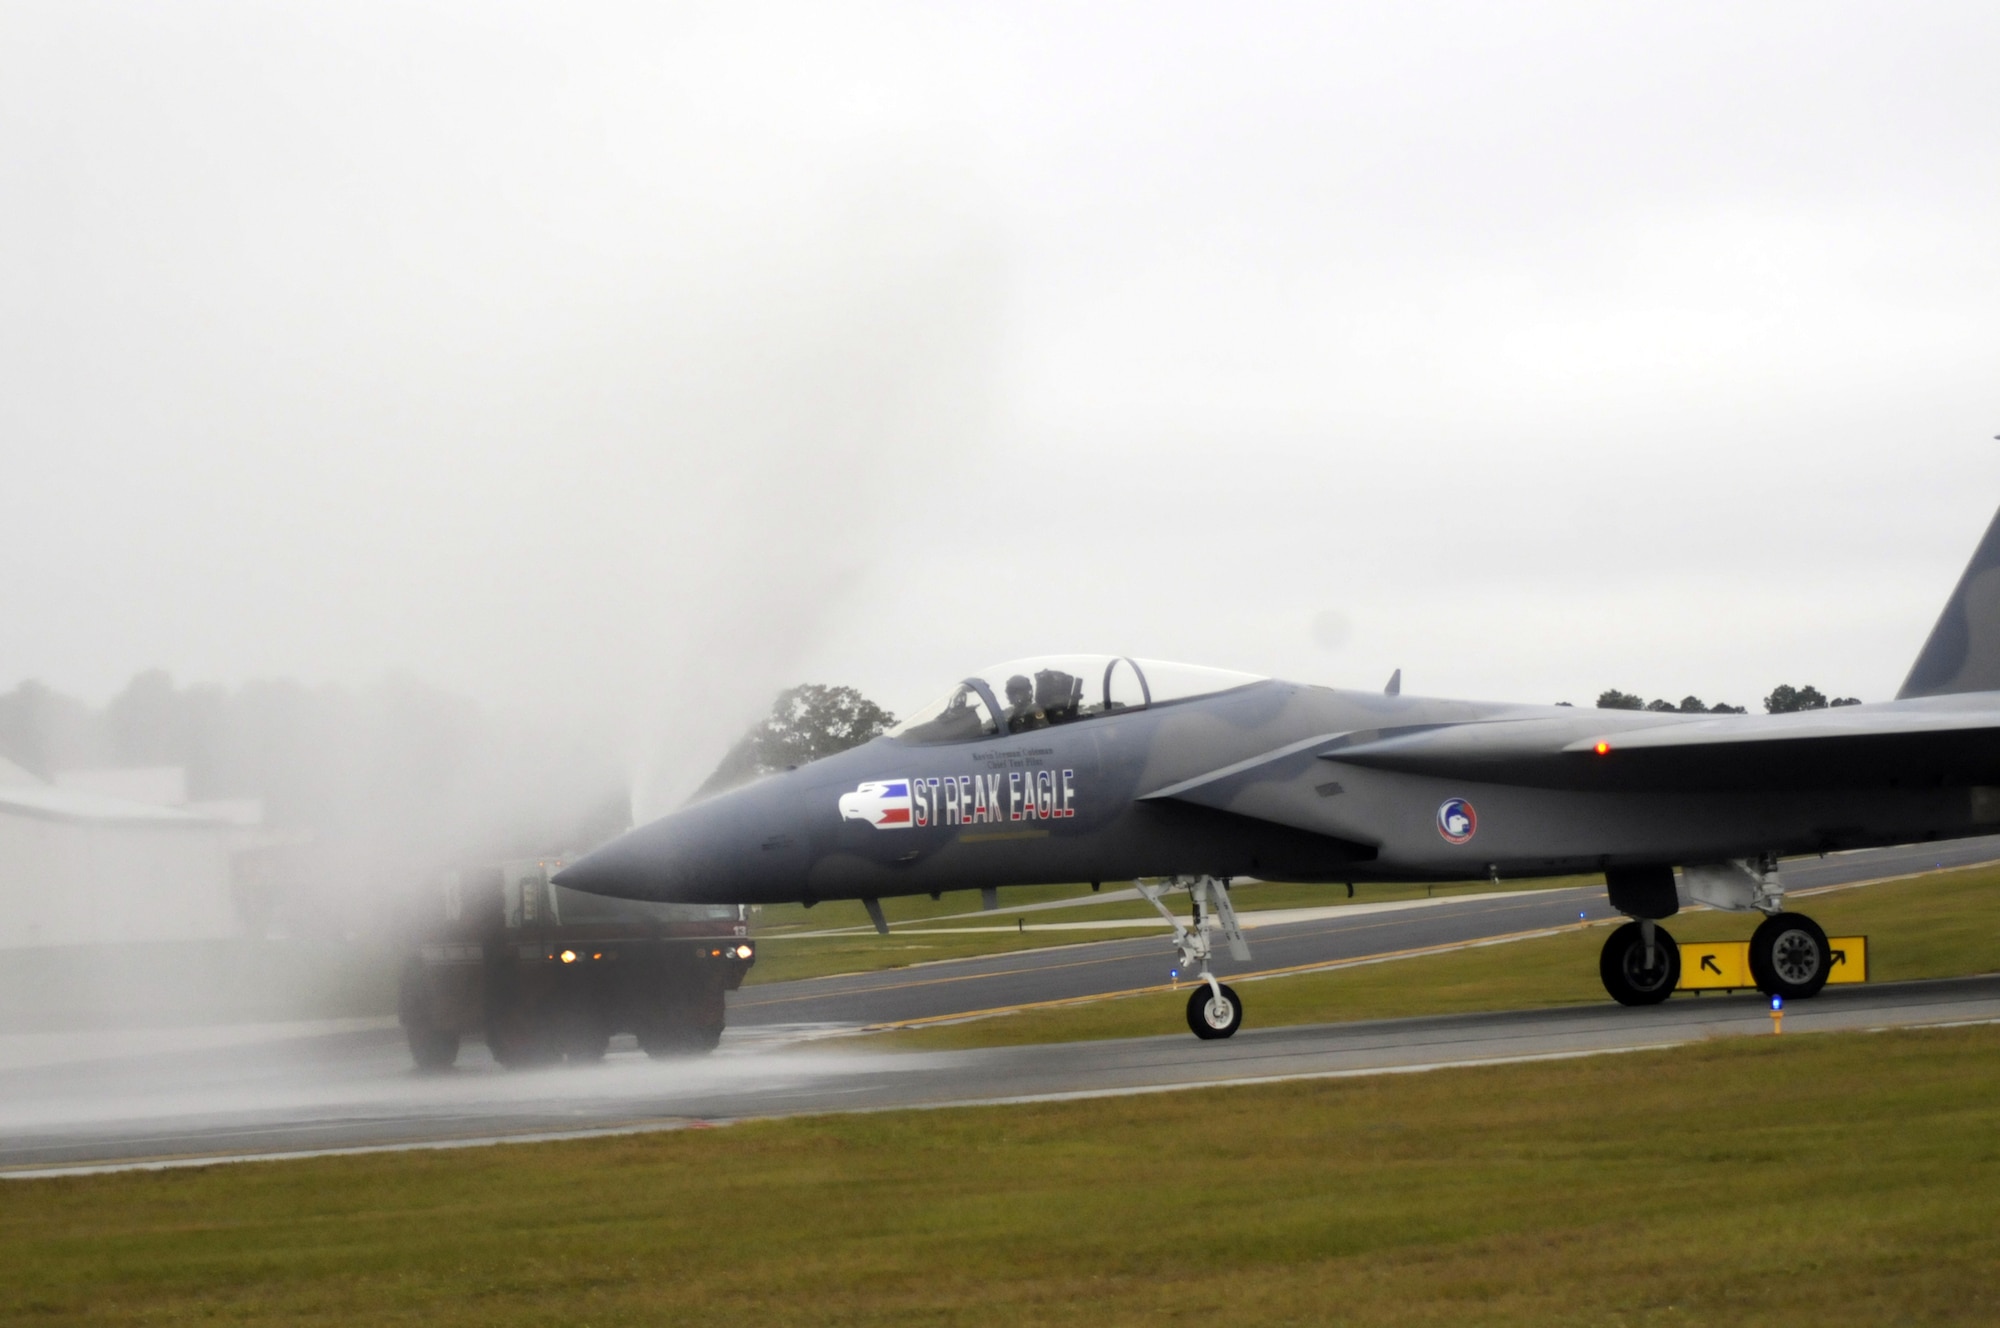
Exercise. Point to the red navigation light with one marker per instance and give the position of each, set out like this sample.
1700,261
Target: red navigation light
1602,748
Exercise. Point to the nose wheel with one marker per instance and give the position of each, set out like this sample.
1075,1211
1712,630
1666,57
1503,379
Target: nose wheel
1214,1011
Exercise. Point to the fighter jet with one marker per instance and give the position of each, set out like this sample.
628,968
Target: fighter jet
1099,768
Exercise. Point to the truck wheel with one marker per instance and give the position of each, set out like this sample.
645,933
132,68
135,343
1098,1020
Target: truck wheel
680,1040
661,1045
587,1046
433,1049
516,1046
687,1022
411,1003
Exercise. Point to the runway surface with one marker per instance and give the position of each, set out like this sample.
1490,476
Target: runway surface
180,1098
354,1092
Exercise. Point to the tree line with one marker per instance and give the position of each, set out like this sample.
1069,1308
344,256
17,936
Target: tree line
1784,699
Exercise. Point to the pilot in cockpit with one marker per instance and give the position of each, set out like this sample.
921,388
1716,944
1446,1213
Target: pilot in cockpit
1058,695
1022,712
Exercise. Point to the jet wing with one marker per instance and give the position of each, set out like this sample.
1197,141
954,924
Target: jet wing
1895,743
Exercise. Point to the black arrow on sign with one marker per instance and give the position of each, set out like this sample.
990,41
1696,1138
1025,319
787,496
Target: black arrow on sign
1708,962
1839,958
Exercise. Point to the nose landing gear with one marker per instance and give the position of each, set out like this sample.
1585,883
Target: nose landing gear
1214,1010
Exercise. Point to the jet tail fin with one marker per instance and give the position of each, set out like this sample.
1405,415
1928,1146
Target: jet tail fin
1962,653
1395,687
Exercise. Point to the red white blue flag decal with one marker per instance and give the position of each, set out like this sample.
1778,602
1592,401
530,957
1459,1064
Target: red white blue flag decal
883,803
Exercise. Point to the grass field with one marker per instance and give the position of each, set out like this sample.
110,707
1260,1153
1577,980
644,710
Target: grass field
1824,1180
1937,925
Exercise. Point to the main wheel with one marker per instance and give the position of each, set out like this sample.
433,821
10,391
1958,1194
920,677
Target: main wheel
1213,1017
1789,956
1627,975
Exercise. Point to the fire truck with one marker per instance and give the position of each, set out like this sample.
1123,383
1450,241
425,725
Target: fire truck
546,974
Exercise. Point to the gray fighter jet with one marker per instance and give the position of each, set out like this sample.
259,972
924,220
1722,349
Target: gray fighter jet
1097,768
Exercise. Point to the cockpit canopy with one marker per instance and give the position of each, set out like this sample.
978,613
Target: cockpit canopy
1027,694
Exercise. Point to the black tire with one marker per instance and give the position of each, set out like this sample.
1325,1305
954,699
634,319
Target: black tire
586,1047
680,1040
687,1022
432,1049
519,1046
1622,965
1211,1019
1789,956
412,998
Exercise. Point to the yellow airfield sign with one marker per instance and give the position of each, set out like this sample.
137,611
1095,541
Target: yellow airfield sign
1725,965
1714,965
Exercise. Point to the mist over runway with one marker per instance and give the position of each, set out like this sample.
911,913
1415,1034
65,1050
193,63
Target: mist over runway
355,1092
183,1097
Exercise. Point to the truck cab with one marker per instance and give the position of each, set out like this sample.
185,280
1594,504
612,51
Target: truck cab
546,974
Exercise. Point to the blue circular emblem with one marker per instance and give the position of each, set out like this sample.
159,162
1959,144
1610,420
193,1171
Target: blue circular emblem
1457,822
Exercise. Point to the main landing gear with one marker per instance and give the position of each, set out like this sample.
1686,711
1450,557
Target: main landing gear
1640,964
1789,954
1213,1010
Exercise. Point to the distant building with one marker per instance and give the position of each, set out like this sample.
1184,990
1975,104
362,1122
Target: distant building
118,856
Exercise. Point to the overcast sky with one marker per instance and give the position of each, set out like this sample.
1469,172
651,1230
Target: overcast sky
624,364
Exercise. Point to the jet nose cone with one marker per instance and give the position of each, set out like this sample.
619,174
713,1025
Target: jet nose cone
629,867
715,852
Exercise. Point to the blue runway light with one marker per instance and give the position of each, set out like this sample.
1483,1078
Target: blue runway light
1777,1002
